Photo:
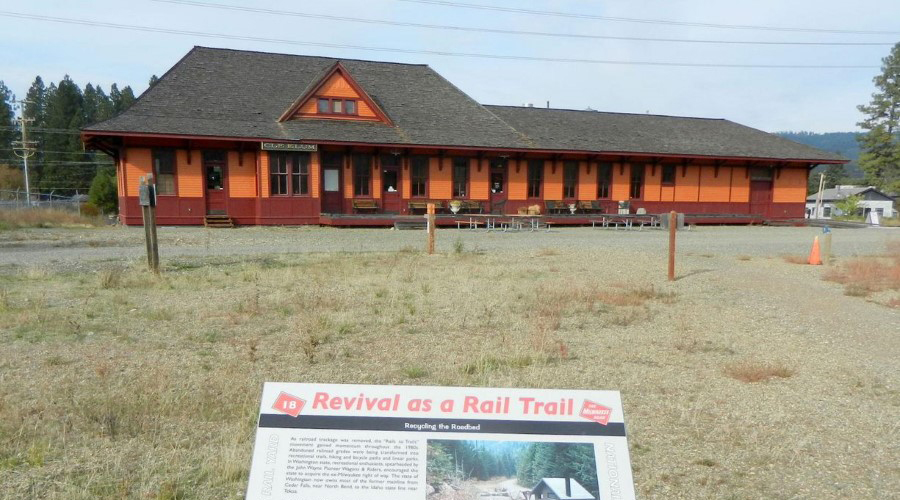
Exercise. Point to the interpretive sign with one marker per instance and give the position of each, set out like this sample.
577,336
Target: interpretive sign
346,442
288,146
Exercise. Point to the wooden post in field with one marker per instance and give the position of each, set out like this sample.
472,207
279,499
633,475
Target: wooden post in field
147,200
673,221
429,214
826,246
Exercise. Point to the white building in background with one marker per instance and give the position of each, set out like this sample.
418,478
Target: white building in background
871,200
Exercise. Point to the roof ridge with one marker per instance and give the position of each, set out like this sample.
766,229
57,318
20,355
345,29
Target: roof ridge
604,112
246,51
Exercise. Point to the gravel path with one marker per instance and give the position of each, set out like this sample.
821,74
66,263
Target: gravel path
78,248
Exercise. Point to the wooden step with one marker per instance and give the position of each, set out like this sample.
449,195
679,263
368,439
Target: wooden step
218,221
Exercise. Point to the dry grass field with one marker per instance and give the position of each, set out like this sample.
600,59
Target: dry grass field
749,377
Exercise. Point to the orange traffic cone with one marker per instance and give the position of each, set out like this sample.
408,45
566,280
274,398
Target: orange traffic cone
814,258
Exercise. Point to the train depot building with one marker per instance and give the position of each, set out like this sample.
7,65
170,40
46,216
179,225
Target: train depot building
264,138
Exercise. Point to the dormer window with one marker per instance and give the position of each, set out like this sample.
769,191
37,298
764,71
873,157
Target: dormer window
331,106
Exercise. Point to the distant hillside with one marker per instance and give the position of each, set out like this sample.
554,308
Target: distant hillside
842,143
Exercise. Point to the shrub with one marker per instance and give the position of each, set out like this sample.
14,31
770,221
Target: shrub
757,372
89,210
104,193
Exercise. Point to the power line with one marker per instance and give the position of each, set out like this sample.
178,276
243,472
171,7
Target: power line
576,15
44,130
149,29
502,31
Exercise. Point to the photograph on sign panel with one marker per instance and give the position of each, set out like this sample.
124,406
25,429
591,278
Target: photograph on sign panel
510,470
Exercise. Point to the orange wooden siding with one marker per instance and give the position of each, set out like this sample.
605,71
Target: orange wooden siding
621,181
553,187
337,86
314,172
587,181
138,162
376,177
687,182
790,185
479,180
405,178
347,175
264,174
740,185
518,181
652,183
715,188
190,176
241,177
440,179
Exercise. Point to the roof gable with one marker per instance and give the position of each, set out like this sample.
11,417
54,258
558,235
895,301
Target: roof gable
336,83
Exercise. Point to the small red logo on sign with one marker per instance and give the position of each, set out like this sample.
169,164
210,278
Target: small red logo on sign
285,403
596,412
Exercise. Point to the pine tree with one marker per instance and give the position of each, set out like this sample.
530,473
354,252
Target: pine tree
8,133
105,109
153,81
64,113
880,159
91,105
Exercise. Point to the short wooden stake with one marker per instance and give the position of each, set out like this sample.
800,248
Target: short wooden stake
826,248
429,215
673,221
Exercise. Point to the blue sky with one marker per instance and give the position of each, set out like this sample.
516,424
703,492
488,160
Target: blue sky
770,99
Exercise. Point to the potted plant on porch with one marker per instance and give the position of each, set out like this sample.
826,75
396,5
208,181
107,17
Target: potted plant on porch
455,205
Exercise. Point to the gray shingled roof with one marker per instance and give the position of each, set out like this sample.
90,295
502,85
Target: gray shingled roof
642,133
232,93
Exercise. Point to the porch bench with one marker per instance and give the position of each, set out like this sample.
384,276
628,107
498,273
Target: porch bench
423,205
471,207
555,207
367,205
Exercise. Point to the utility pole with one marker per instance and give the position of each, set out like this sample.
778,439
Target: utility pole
25,149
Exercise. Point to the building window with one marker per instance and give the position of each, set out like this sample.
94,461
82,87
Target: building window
668,175
637,182
535,178
604,180
460,177
362,175
278,173
419,176
826,211
299,174
164,170
570,179
329,106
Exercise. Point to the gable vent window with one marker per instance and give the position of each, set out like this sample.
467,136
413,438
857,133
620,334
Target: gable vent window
328,106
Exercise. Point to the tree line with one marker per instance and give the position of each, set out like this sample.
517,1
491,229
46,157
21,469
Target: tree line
576,461
58,112
450,461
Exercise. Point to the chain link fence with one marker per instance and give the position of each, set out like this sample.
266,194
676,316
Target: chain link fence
17,200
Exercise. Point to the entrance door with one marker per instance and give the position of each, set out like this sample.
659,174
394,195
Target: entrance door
214,173
390,184
499,170
332,192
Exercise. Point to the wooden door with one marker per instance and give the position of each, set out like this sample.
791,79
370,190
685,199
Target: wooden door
499,185
215,175
332,186
390,184
760,198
